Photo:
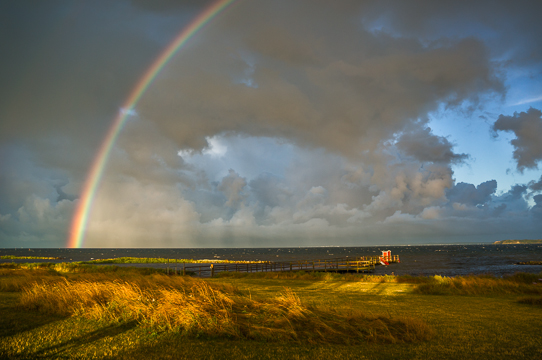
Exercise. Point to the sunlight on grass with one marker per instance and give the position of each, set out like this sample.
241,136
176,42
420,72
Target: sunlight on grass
124,313
195,307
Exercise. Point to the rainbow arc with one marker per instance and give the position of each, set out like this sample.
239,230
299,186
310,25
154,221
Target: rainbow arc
82,212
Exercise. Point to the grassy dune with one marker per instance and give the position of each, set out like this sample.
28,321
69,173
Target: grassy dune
125,314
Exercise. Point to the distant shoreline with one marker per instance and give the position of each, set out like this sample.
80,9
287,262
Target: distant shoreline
539,241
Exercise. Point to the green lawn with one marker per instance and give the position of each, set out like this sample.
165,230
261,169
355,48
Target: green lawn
466,327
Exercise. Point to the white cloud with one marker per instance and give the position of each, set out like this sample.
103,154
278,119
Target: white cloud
527,101
215,148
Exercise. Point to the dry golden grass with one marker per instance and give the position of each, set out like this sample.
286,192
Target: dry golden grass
17,277
14,280
196,308
520,283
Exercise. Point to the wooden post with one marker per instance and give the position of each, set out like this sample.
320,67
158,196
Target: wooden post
325,265
184,270
212,270
290,266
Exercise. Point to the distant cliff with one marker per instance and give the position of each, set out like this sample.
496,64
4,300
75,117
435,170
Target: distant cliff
539,241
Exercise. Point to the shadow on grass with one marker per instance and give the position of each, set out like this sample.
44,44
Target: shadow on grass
66,347
177,347
378,289
15,320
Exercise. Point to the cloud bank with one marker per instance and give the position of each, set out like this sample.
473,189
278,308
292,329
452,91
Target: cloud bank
279,124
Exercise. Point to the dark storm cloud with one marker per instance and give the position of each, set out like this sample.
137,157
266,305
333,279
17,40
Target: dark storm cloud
68,67
270,190
512,202
516,192
468,194
423,145
232,186
171,5
350,97
536,185
355,90
537,209
62,195
512,29
527,126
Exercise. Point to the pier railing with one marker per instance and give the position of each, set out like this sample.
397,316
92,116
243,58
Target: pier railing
361,264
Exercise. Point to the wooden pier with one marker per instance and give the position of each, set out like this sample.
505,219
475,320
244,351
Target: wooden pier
362,264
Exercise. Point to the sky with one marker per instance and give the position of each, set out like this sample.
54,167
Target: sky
279,123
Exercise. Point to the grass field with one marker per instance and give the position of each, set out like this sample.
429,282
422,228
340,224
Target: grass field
276,316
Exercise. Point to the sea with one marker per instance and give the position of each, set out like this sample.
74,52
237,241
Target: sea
417,260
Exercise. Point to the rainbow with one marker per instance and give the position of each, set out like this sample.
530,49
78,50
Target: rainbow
80,218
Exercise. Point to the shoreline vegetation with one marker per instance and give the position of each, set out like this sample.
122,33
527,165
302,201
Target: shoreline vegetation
508,242
13,257
138,260
74,310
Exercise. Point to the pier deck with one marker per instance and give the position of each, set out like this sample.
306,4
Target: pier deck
363,264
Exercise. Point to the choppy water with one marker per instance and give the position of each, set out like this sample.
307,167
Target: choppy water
445,260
